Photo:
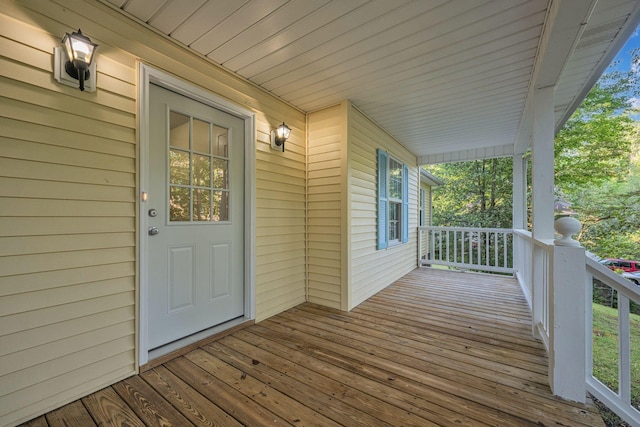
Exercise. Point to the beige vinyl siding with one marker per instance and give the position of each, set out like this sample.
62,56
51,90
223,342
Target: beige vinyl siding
325,212
372,269
68,174
67,226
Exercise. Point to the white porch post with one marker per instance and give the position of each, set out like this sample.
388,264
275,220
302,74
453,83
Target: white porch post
562,271
542,200
567,335
519,192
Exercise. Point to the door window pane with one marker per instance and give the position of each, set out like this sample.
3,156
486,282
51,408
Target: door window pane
201,205
221,206
179,203
201,137
198,178
220,174
179,130
201,171
179,167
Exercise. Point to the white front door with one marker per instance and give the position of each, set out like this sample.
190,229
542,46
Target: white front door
195,216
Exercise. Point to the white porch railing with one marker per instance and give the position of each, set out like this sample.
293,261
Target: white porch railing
619,400
558,284
550,274
482,249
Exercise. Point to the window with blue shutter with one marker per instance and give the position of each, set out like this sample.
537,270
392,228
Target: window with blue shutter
405,204
393,201
382,199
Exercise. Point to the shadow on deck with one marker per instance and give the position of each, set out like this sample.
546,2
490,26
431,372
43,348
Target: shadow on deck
435,348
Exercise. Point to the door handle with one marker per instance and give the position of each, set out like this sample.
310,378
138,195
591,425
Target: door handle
153,231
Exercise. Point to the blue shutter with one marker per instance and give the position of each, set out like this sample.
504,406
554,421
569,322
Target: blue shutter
382,200
423,196
405,204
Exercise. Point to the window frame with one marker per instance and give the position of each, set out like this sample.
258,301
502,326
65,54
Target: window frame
400,218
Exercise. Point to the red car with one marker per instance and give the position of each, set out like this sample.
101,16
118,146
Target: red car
621,264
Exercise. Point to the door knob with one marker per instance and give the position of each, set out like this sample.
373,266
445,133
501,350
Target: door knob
153,231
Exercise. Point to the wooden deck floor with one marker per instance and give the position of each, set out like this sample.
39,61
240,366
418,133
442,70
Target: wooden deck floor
435,348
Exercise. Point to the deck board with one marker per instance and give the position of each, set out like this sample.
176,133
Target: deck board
437,348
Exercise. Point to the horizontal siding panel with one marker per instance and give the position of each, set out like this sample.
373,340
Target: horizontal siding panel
274,306
279,239
327,293
54,279
19,110
39,361
274,248
325,270
271,194
51,136
40,189
64,208
322,173
269,280
329,149
324,189
325,278
324,197
47,244
282,264
36,300
50,315
278,231
327,303
22,264
263,184
10,344
282,221
280,204
277,256
280,213
108,361
94,383
325,205
326,246
16,90
325,222
19,226
61,173
281,177
319,253
324,230
38,152
107,95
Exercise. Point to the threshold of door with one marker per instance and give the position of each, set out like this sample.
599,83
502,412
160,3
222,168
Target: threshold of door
178,348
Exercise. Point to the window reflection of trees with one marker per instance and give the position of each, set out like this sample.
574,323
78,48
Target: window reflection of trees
198,170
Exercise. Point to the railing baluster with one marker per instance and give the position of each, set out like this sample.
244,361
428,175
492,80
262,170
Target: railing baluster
470,248
624,356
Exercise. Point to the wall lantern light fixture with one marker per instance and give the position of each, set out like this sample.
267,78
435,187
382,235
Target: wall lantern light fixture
279,136
76,64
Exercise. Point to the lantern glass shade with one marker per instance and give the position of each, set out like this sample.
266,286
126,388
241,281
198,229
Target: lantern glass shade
283,131
79,49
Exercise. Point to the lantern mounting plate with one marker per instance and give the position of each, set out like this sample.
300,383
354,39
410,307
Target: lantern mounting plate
62,77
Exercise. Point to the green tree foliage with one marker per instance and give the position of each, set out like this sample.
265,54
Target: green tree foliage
475,194
594,144
598,167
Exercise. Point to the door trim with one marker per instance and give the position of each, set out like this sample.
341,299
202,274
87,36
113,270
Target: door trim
146,76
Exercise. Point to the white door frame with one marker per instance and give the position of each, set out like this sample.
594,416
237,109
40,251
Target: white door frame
146,76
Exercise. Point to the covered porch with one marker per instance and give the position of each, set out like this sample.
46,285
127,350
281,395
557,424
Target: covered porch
435,348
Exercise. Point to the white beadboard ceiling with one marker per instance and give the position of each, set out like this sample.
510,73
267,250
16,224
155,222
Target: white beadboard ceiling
450,80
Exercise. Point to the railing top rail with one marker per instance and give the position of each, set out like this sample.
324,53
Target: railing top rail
490,230
615,281
523,233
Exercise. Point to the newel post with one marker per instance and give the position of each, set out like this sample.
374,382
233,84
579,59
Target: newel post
567,331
